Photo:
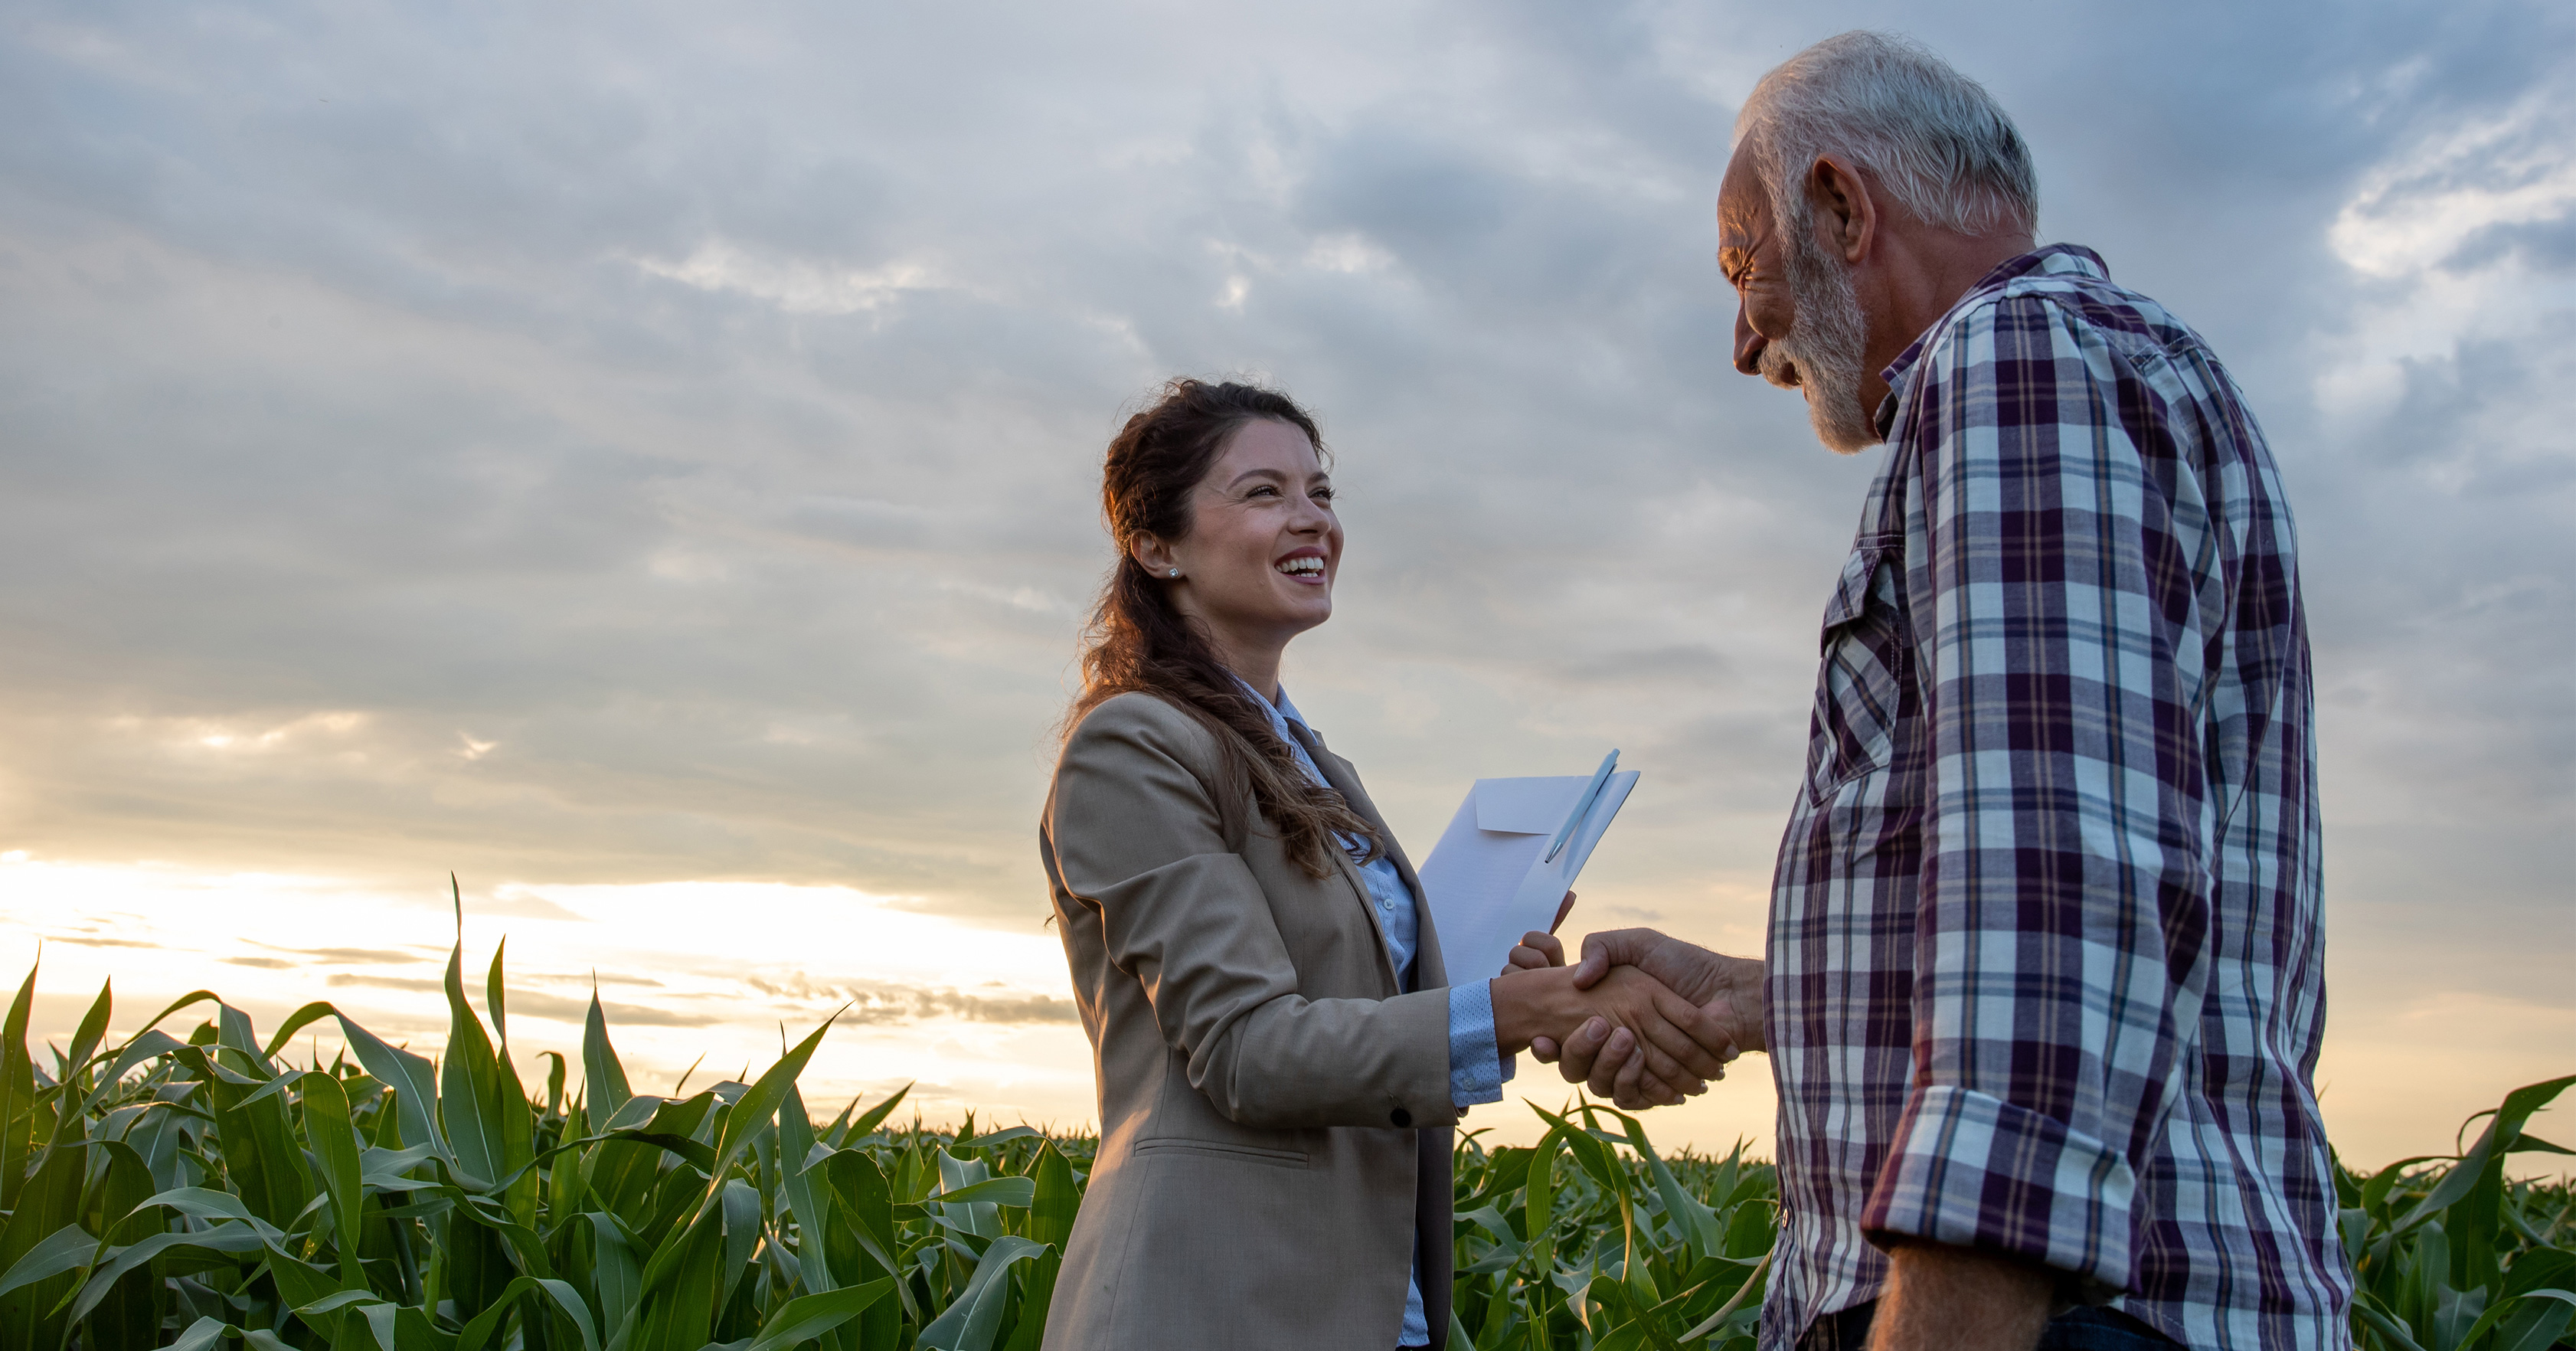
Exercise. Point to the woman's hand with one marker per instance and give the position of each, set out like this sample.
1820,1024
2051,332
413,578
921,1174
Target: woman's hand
1541,949
1678,1048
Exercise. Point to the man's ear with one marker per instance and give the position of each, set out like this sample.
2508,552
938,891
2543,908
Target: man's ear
1846,209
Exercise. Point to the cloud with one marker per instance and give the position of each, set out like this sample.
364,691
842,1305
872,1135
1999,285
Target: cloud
566,453
887,1003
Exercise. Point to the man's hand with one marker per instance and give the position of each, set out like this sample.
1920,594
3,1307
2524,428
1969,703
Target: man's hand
1604,1057
1670,1036
1941,1298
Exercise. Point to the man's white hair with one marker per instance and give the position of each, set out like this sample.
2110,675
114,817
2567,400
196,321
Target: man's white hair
1933,138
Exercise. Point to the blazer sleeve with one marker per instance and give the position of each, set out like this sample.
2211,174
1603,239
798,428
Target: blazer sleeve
1135,828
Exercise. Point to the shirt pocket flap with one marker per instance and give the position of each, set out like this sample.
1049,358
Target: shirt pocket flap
1851,592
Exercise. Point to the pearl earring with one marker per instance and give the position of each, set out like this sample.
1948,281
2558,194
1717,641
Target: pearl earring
1176,572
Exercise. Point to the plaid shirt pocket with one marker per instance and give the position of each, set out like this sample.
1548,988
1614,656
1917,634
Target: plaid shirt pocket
1868,678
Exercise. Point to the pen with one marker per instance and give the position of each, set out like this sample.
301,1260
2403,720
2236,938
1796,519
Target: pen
1582,806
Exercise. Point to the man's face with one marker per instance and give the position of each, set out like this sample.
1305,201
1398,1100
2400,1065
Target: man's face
1798,321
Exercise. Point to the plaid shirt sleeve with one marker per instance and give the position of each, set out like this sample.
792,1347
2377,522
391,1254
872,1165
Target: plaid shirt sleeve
2061,579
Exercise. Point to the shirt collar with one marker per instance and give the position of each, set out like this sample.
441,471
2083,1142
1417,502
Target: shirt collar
2056,259
1282,712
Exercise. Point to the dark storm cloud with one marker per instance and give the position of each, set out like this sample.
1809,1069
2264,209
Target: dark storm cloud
556,450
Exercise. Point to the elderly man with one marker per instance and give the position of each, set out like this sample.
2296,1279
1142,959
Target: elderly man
2044,986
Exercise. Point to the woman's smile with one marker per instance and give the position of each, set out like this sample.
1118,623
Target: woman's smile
1305,566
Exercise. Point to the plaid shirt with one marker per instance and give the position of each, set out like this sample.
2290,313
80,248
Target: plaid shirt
2046,968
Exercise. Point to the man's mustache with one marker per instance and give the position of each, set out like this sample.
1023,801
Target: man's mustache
1780,366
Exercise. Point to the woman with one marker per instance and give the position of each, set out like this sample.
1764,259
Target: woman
1280,1054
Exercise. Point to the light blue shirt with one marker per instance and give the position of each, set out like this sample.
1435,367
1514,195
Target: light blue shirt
1476,1068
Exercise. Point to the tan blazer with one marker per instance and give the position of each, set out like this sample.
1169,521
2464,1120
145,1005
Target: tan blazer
1274,1115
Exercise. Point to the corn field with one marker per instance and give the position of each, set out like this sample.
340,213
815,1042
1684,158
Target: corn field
193,1193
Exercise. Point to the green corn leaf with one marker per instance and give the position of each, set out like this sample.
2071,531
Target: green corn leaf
869,1120
1696,1222
145,1045
970,1323
1053,1198
1713,1322
2374,1193
1037,1295
29,1317
230,1240
495,997
69,1248
300,1283
334,1142
262,1160
130,1319
753,1111
743,1230
603,1078
810,1316
554,1081
676,1305
93,1028
469,1086
478,1331
2495,1313
234,1033
960,1205
1539,1200
205,1203
1018,1192
614,1270
1637,1263
1587,1151
2540,1319
17,1094
413,1081
2369,1310
2481,1166
403,1328
807,1197
2542,1268
863,1202
203,1335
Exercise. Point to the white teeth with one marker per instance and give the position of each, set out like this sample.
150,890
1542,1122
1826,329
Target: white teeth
1301,566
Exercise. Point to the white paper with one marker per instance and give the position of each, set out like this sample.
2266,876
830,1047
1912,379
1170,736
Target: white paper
1485,881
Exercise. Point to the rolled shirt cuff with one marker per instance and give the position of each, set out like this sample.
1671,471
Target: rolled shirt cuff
1476,1070
1972,1170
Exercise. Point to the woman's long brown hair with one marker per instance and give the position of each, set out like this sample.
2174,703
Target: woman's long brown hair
1138,640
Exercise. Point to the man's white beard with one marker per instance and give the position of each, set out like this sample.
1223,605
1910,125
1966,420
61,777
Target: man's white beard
1821,353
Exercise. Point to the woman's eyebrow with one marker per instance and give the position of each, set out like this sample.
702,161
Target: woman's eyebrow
1271,474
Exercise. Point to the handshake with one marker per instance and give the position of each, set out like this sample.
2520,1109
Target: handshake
1645,1020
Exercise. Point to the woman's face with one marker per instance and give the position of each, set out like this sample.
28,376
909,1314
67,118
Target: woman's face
1257,566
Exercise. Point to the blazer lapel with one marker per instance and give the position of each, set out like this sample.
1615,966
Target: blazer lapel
1429,971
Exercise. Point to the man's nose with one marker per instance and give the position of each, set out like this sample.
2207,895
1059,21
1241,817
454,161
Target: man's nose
1748,344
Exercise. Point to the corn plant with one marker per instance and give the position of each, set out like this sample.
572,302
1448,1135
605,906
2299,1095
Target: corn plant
1572,1243
192,1193
2451,1256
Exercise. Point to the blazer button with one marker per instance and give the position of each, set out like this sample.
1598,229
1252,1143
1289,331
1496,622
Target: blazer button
1400,1117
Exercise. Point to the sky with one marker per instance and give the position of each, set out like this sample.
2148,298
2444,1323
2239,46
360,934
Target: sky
643,461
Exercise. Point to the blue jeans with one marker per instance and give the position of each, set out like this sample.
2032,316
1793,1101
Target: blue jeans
2074,1330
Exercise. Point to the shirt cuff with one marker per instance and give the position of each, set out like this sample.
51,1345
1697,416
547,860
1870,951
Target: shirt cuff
1475,1066
1972,1170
